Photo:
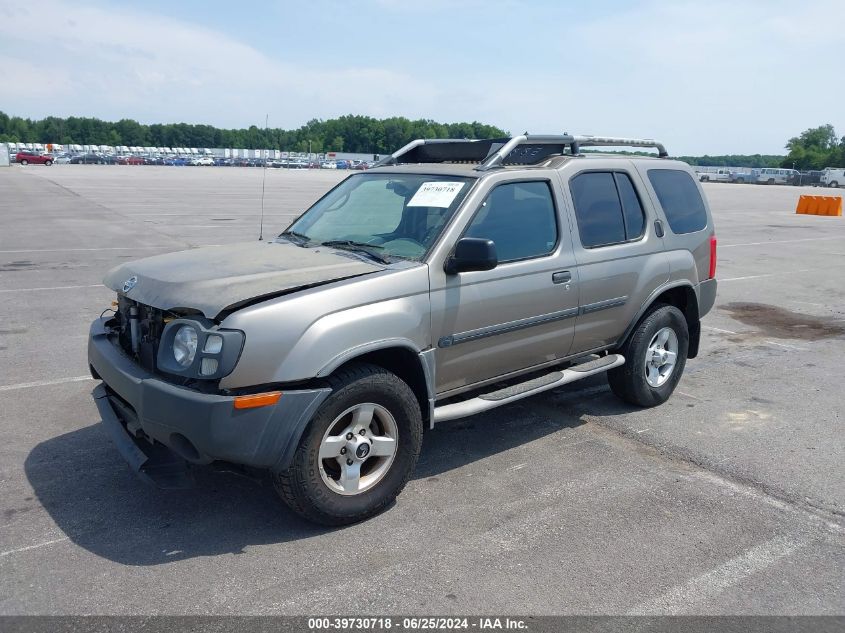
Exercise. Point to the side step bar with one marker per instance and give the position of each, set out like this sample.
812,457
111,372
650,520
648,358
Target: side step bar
501,397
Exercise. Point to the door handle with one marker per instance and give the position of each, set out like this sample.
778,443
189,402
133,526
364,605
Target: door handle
561,277
658,228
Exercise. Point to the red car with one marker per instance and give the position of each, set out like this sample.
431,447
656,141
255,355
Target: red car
25,158
130,160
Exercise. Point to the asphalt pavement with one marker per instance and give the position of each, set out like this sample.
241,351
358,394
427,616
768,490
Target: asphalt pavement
728,499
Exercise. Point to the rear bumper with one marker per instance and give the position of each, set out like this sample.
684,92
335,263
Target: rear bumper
706,296
144,414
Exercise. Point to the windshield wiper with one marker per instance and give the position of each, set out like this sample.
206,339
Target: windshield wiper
304,239
363,247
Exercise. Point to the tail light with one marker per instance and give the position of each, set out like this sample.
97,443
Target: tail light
712,257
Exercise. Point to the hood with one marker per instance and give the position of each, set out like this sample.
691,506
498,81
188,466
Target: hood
214,278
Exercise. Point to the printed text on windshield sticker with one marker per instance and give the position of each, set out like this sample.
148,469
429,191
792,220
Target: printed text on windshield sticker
436,194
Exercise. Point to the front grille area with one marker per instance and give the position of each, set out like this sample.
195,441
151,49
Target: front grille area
150,326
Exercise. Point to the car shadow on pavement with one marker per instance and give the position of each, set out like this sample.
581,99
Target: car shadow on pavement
88,490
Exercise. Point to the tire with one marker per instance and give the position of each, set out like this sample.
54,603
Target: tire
47,163
24,162
313,487
630,381
770,181
705,179
834,184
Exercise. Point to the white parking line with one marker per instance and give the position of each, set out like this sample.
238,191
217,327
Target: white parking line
798,349
689,395
780,274
44,383
193,215
717,329
692,594
67,250
806,239
808,303
52,288
29,547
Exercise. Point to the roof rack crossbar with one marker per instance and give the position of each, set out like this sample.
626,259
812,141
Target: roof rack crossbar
598,141
574,142
493,152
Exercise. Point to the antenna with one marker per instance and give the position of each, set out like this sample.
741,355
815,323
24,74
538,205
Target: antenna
263,180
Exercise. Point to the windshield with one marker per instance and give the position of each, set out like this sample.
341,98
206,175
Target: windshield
399,214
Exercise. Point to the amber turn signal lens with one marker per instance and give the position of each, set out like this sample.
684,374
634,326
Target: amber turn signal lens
257,400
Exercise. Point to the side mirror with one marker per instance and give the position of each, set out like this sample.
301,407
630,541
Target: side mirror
472,253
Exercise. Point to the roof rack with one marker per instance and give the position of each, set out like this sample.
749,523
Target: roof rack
525,149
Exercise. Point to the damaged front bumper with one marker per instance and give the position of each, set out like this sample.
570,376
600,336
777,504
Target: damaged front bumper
158,426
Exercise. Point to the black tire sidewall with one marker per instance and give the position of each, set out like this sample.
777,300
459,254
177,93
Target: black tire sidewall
394,395
634,384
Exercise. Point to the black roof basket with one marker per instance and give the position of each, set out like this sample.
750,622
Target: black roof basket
495,152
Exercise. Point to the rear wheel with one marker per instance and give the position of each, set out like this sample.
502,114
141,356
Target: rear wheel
834,184
655,356
24,162
358,452
770,181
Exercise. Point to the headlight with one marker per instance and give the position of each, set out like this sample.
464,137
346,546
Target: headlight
185,345
197,348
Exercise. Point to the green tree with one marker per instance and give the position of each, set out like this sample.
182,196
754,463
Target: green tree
815,148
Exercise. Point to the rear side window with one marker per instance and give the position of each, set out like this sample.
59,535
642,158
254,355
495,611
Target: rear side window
607,208
680,199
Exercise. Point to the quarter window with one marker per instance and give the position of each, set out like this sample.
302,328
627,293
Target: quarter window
607,208
631,207
520,219
680,199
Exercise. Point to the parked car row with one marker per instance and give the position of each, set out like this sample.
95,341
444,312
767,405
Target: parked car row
829,177
97,158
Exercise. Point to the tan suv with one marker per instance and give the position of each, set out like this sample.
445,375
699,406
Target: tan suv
453,278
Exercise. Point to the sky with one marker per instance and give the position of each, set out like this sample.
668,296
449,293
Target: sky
704,77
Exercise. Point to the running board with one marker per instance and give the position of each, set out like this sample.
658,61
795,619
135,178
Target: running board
501,397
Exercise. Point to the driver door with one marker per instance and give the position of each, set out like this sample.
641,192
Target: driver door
488,324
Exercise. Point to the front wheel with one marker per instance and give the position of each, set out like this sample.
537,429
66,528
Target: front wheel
24,162
358,452
48,162
655,356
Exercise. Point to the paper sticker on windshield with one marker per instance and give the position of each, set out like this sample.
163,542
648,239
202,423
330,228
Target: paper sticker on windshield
436,194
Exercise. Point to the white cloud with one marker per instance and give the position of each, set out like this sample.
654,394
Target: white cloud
118,61
716,76
712,76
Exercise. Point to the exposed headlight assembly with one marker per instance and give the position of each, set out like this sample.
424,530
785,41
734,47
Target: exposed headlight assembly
196,348
185,345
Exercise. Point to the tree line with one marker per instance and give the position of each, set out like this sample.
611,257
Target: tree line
726,160
815,148
351,133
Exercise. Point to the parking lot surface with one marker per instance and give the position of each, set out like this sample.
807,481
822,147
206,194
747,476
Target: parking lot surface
728,499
